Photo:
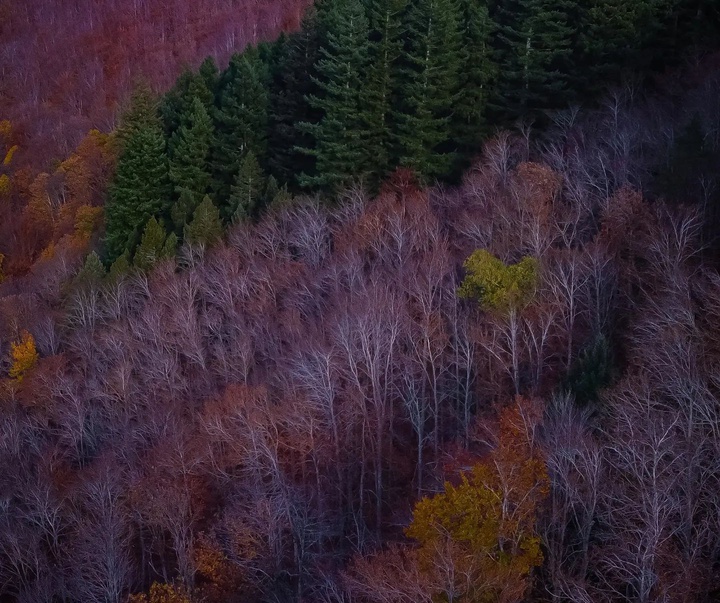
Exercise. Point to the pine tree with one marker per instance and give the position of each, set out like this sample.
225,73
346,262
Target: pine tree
431,64
120,267
92,273
379,92
177,103
477,75
140,188
189,165
609,41
152,246
247,191
535,42
182,210
294,84
206,227
241,118
341,134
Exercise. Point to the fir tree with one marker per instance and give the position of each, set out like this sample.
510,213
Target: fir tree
92,273
120,267
140,188
247,191
189,164
189,86
535,39
241,118
341,134
432,60
477,75
152,247
294,84
206,227
379,92
182,209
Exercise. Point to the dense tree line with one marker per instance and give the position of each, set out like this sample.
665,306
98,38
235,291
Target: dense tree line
366,87
254,420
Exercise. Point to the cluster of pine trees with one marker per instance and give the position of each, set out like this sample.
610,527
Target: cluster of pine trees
366,86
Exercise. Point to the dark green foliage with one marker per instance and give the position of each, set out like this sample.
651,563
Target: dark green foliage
341,133
206,227
177,103
182,210
535,44
477,76
140,188
241,120
591,372
430,86
276,195
152,248
189,168
379,91
293,84
92,273
247,192
120,267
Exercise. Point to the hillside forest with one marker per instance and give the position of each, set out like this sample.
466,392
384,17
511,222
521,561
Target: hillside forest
377,301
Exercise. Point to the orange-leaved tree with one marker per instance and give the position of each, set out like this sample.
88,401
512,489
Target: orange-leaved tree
24,356
478,540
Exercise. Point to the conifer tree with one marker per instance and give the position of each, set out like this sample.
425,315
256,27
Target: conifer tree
182,210
477,75
247,191
432,60
189,164
206,227
535,42
140,188
152,246
293,85
119,267
241,118
177,103
92,273
341,134
379,92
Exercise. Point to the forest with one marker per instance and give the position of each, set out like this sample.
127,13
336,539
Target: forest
403,301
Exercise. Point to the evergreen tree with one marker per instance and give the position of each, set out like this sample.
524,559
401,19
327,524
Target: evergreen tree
152,247
182,210
535,42
276,195
477,75
341,134
294,84
140,188
379,92
610,41
119,267
432,60
206,227
247,191
189,164
189,86
92,273
241,118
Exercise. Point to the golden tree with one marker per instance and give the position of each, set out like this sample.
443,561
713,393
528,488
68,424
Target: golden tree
478,541
24,356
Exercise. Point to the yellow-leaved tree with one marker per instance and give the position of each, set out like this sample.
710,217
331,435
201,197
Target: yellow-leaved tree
24,356
161,593
478,540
